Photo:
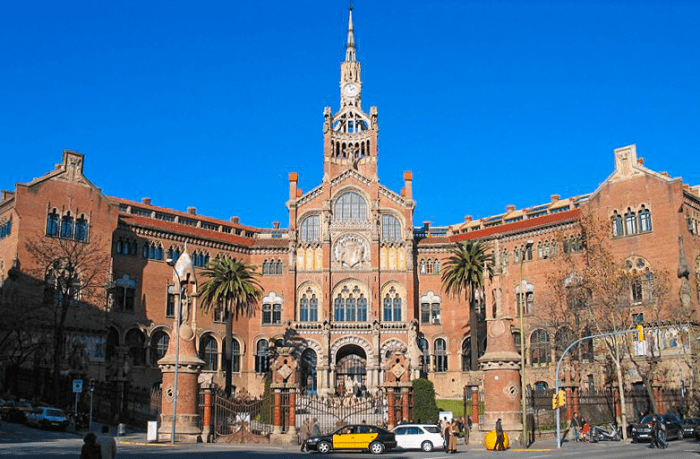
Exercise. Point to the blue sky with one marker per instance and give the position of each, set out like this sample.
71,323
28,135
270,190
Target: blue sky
212,103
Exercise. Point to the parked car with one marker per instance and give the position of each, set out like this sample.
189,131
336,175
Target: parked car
46,417
358,437
642,430
426,437
689,425
15,411
697,432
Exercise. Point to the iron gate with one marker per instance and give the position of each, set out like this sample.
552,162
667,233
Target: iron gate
230,414
334,411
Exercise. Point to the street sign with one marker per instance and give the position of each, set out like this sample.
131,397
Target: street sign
77,385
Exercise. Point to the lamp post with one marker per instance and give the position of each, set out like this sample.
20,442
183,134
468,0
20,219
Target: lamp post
171,263
523,371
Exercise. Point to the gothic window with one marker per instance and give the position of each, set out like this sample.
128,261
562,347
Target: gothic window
350,206
81,229
159,346
5,229
200,258
516,340
209,352
528,299
504,258
644,220
528,253
309,230
573,244
440,356
630,222
392,306
391,228
272,310
52,224
350,306
119,246
278,268
636,286
308,371
220,312
467,353
617,228
235,356
171,301
540,250
67,226
539,347
424,353
430,309
124,294
517,253
173,253
308,307
262,350
153,251
423,267
135,340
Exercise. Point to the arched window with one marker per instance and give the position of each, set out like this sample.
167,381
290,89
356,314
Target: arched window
564,337
67,226
159,346
272,309
235,356
630,222
209,352
350,206
278,267
437,266
391,228
430,309
135,342
174,253
266,267
81,229
52,224
423,267
350,305
424,354
200,258
308,307
119,246
516,340
262,351
644,220
467,353
541,386
528,300
310,229
617,228
539,347
392,306
440,355
308,371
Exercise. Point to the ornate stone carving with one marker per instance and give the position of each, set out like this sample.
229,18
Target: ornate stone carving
351,251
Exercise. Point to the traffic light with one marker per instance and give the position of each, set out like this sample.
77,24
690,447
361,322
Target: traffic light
92,385
558,399
555,401
641,332
562,398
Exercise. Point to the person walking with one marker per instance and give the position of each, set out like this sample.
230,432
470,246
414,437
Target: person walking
90,450
576,427
305,433
454,435
499,437
315,430
447,434
107,443
654,427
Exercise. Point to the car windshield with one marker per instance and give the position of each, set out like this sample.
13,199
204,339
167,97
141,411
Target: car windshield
646,419
55,413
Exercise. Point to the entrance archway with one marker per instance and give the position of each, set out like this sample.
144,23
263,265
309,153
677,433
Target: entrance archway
351,370
308,371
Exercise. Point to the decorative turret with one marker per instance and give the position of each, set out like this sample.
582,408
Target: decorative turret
350,135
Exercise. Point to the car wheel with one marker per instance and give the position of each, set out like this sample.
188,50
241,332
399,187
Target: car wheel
376,448
323,447
426,446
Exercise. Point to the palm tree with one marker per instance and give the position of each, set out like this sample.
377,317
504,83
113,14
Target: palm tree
464,274
232,285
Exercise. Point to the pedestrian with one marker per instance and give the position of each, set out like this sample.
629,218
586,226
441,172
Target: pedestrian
90,450
499,437
454,435
305,433
315,430
107,443
446,434
575,426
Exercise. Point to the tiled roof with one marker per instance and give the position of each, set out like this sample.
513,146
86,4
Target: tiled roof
517,226
185,230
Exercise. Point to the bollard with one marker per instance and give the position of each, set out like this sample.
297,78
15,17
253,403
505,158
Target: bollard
121,429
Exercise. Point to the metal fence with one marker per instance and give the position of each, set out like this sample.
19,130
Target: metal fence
230,414
331,412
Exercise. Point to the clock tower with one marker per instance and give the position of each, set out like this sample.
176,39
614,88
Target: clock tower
350,135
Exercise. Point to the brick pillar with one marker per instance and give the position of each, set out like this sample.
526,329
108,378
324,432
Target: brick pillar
475,405
577,400
404,404
390,402
277,421
291,425
207,427
569,403
616,401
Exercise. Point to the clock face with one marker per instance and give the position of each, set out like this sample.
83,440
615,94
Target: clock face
351,90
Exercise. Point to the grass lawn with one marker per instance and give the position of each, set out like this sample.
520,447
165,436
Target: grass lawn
456,406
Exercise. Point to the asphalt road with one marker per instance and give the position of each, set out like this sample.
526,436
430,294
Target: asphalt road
25,442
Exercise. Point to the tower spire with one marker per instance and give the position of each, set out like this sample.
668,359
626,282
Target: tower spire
350,46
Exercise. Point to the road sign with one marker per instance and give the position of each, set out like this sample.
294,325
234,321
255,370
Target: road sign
77,385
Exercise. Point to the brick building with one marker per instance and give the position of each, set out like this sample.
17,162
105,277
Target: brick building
350,275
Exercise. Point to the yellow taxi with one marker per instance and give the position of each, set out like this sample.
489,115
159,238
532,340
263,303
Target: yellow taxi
358,437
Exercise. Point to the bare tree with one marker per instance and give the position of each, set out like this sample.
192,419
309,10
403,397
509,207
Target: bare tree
74,275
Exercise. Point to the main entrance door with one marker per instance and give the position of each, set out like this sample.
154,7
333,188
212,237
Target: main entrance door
351,370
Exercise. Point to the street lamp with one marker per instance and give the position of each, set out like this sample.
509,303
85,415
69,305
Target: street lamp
521,303
171,263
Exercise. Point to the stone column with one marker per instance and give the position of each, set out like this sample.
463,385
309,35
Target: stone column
405,407
277,418
206,383
292,423
569,403
390,402
475,405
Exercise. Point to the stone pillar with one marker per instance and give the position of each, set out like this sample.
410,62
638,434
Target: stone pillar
577,400
569,403
475,405
277,418
501,367
390,402
207,385
292,423
405,404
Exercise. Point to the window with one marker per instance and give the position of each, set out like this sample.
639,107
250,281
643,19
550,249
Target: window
391,228
153,251
516,340
528,253
5,229
424,354
528,300
541,386
261,356
617,228
310,229
350,206
159,346
630,222
164,217
235,356
174,253
539,347
209,352
430,309
467,353
171,301
430,266
392,306
350,306
220,313
272,267
573,244
52,224
308,307
644,220
200,258
636,287
440,356
135,342
67,226
81,229
272,309
124,294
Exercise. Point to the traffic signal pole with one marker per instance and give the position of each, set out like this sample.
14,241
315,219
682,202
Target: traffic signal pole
639,330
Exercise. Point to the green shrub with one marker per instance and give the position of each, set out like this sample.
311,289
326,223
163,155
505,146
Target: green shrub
424,407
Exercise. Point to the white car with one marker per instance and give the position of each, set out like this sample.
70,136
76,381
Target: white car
426,437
